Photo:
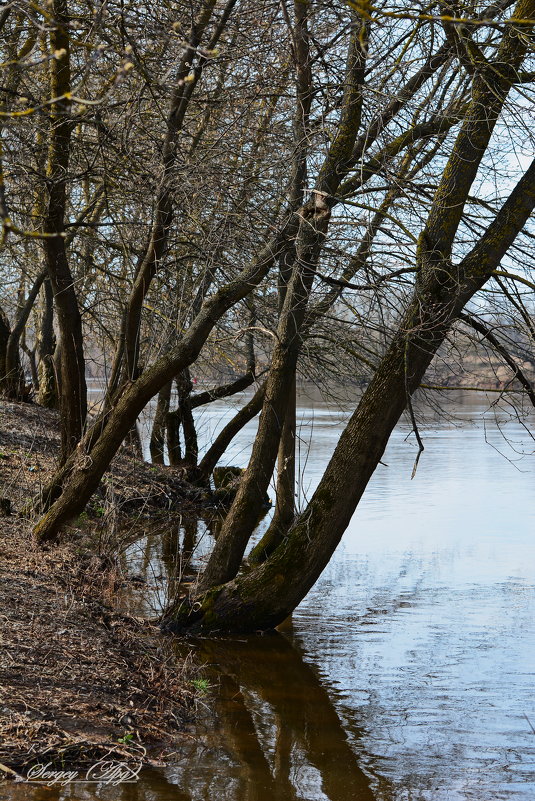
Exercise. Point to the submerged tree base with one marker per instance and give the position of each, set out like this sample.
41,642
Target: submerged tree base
221,610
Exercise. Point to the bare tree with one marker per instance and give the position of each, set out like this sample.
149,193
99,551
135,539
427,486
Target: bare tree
330,171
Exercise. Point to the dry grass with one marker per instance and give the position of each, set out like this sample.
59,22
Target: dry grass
77,678
75,675
29,443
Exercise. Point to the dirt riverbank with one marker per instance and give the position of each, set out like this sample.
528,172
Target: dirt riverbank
79,680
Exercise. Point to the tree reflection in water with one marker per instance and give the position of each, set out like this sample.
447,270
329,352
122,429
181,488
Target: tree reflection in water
268,730
277,735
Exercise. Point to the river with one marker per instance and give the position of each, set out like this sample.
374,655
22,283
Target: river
407,674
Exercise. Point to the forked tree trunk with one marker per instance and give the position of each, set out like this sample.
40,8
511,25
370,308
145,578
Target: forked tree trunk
79,477
242,517
181,418
313,222
198,473
490,87
264,597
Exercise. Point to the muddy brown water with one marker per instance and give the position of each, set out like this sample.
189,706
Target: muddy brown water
408,672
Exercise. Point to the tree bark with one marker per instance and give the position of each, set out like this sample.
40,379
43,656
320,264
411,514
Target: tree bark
73,396
14,383
159,425
265,596
284,513
48,393
174,448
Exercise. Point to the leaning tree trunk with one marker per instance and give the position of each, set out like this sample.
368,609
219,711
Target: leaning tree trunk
67,493
227,434
69,490
242,517
490,86
264,597
202,471
285,487
313,221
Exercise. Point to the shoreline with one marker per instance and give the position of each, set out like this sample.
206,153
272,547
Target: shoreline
80,680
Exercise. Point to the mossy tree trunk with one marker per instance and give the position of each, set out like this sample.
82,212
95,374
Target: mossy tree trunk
263,597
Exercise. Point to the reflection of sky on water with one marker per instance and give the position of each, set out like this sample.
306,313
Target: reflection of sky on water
422,627
424,620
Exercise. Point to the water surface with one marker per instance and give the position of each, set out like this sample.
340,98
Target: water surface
408,671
